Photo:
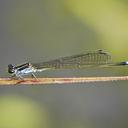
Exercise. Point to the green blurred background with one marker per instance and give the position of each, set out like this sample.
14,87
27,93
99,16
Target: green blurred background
39,30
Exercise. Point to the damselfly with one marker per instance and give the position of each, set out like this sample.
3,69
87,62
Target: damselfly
98,58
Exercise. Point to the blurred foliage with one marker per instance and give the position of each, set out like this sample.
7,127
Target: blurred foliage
64,23
17,112
108,17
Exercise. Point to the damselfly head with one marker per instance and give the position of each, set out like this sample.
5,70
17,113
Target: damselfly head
11,68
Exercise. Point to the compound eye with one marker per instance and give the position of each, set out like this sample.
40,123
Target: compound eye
10,68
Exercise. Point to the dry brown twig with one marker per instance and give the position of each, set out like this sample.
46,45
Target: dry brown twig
63,80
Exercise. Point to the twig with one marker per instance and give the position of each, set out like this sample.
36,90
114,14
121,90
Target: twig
43,81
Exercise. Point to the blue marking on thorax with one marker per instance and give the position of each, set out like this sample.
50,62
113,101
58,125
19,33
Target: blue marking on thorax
25,71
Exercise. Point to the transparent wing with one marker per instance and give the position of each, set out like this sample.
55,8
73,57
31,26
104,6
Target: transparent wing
96,58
